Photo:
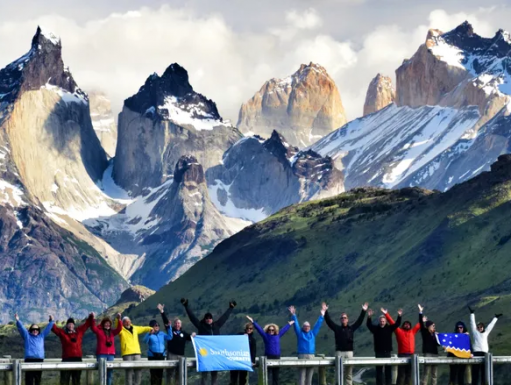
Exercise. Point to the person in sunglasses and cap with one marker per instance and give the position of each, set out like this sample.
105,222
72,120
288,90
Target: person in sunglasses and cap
208,327
34,347
156,341
71,338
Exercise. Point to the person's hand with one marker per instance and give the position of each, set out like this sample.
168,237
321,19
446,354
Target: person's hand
291,322
232,304
118,316
184,302
51,318
470,310
365,306
421,309
424,319
384,311
250,319
324,308
193,334
292,310
498,315
152,331
400,312
92,315
160,307
16,317
370,313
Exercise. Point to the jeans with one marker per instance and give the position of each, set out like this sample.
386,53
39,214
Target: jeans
305,374
430,371
33,378
110,372
383,371
239,377
273,371
130,373
478,371
204,378
73,375
348,370
404,373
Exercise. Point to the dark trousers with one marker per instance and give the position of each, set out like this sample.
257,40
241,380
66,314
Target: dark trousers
70,375
383,371
204,378
33,378
456,373
273,371
404,372
239,377
156,374
478,371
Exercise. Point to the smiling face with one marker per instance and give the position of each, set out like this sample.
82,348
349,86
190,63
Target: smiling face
271,330
156,328
306,327
126,322
383,321
407,326
344,319
249,329
208,320
177,324
107,325
34,330
70,326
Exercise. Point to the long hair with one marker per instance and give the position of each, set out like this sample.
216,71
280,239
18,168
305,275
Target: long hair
266,327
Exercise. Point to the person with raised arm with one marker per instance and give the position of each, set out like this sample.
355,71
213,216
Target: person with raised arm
480,337
344,337
382,335
240,377
429,347
71,338
271,336
175,346
208,327
34,347
105,346
130,348
405,337
156,349
306,340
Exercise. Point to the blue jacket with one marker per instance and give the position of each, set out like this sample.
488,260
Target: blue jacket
156,343
34,345
307,341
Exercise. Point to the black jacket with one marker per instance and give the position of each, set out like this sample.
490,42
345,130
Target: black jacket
429,342
344,334
179,337
252,343
383,335
204,329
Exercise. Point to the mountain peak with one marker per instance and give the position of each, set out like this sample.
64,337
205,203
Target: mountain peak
380,94
44,38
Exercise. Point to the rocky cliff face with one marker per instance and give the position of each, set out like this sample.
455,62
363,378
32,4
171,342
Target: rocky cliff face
165,120
103,121
448,124
303,107
380,94
258,177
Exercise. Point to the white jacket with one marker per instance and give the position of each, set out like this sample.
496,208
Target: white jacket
481,339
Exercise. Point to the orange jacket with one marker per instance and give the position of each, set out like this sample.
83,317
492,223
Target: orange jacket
405,338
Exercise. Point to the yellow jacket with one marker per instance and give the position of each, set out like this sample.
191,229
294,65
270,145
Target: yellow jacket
129,340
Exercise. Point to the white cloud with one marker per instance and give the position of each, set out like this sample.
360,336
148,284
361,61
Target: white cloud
308,19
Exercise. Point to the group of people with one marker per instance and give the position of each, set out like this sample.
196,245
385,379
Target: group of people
170,344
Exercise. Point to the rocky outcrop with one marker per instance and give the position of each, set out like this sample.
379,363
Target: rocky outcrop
103,121
259,177
380,94
165,120
303,107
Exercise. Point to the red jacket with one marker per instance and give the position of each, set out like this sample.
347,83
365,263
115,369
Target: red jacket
102,338
405,338
72,342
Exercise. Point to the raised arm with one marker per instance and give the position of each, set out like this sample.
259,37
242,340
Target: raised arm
163,315
169,335
21,328
58,331
397,324
193,319
226,315
389,319
48,327
331,324
473,325
296,327
286,327
421,319
142,329
369,322
317,325
119,326
259,329
83,327
360,318
93,326
490,327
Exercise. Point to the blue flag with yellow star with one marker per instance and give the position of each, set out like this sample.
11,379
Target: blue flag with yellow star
455,343
217,353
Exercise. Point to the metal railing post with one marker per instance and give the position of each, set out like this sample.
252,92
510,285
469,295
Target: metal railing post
8,375
339,370
102,372
89,374
183,372
488,368
414,361
16,372
263,371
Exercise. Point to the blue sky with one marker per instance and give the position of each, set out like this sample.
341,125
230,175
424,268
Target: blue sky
231,47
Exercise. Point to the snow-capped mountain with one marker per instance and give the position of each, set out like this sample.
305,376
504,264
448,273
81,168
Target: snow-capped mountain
165,120
259,177
448,122
303,107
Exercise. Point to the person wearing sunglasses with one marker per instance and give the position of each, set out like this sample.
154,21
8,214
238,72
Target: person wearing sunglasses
208,327
71,340
34,347
306,339
240,377
105,345
271,336
480,336
345,337
457,371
